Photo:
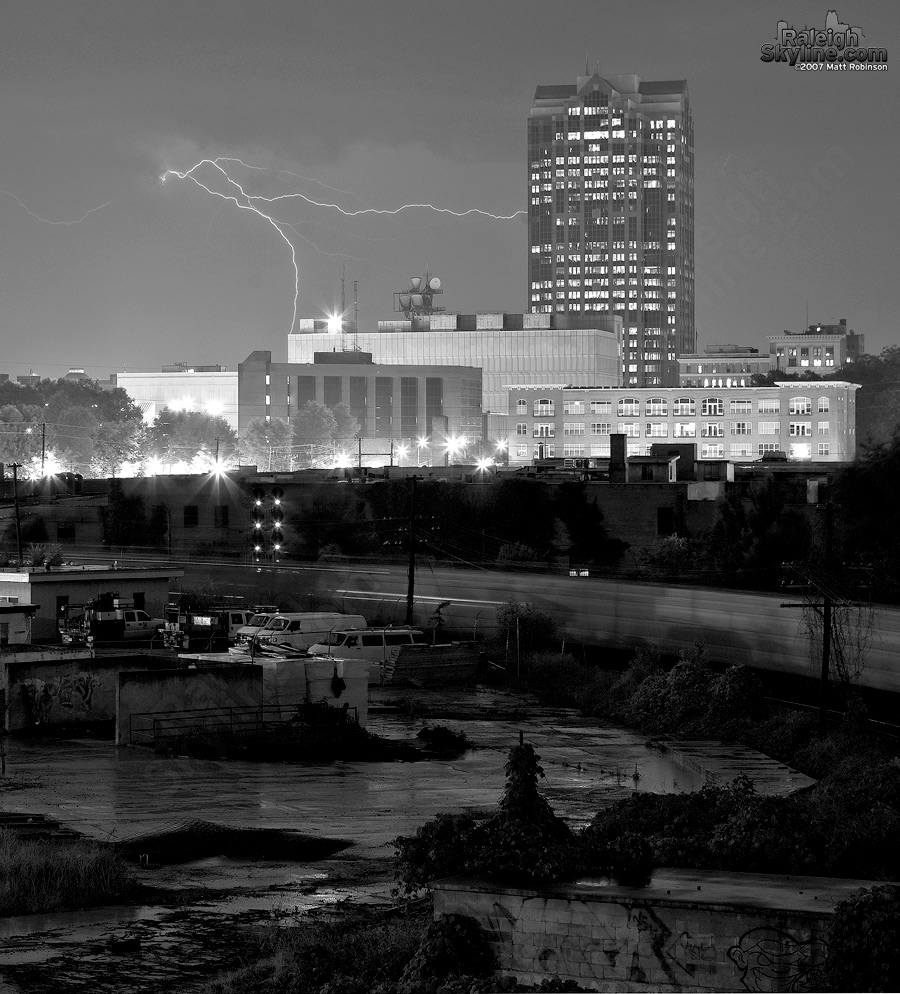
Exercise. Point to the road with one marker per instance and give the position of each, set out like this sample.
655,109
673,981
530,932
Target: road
736,627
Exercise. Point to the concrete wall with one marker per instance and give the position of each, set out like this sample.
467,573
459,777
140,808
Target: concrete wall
54,691
156,691
701,931
287,682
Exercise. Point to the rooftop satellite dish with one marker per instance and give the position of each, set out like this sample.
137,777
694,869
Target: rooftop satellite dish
415,283
434,283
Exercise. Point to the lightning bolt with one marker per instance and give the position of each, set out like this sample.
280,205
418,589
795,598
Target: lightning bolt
251,202
248,206
45,220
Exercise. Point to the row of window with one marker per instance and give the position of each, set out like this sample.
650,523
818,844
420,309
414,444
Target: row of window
681,406
708,450
681,429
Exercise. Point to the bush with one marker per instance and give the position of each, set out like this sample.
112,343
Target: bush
863,942
454,945
40,877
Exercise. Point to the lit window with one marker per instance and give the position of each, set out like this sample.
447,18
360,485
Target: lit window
800,405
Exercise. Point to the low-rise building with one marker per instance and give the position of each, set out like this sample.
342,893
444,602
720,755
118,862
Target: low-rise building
182,387
723,366
821,348
55,590
508,348
401,402
806,420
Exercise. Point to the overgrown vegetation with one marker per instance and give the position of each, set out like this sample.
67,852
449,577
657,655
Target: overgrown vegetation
524,842
37,876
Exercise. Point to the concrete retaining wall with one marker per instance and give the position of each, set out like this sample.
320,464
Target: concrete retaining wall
700,931
156,691
53,691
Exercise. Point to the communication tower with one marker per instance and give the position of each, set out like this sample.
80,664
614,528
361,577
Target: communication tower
419,298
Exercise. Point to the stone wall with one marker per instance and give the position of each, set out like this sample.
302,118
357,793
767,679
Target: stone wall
687,930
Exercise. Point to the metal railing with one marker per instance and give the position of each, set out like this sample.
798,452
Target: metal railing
241,722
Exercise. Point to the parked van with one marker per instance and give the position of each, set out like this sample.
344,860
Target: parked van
303,629
253,627
373,644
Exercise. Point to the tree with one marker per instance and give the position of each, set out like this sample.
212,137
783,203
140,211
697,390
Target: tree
124,518
346,426
71,436
315,426
267,444
20,438
117,442
189,436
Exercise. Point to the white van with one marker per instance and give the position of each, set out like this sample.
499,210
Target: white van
301,630
253,627
373,644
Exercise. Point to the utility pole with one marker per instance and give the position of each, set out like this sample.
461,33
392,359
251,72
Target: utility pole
827,611
15,467
411,574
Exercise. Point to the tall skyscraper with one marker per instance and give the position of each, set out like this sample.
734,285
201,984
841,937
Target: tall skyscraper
611,213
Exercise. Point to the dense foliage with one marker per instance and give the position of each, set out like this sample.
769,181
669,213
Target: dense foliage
523,842
863,941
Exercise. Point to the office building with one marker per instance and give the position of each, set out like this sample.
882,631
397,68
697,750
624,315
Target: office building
807,421
611,213
508,348
181,387
415,404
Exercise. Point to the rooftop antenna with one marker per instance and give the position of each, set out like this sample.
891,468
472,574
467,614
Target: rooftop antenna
355,314
343,281
587,71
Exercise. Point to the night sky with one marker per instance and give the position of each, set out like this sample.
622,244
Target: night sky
384,103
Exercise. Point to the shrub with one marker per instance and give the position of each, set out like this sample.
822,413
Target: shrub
454,945
863,942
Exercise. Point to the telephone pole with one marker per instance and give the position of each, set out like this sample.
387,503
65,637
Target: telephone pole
411,573
15,467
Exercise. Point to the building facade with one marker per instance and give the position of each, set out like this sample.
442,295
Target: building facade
210,389
811,421
403,403
723,366
822,348
611,213
508,348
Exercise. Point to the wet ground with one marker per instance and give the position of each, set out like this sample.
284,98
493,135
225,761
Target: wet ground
200,921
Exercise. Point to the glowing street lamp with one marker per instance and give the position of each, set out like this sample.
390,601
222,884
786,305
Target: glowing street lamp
421,443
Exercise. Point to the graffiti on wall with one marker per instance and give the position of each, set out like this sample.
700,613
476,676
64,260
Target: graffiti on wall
74,693
772,959
644,948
